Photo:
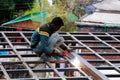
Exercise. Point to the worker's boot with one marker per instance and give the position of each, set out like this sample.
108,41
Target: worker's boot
45,57
38,54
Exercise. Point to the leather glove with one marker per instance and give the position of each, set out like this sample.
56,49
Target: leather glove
65,54
58,53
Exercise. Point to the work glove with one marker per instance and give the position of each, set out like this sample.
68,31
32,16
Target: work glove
60,54
65,54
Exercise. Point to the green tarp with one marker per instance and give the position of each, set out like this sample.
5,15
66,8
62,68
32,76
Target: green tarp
34,16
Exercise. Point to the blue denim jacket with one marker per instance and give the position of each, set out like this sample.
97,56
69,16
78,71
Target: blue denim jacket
39,40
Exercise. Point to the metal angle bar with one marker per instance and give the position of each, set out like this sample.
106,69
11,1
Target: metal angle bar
90,41
67,41
17,70
78,47
77,78
22,56
93,47
6,49
14,43
117,47
1,72
114,33
3,43
5,72
76,35
67,69
113,75
117,36
51,70
41,62
29,55
109,46
43,70
31,72
9,42
23,49
96,61
115,61
110,54
79,69
113,37
100,47
86,54
54,78
94,71
15,37
104,42
4,63
8,56
56,71
112,42
24,79
36,62
15,55
18,43
25,38
29,32
102,54
104,67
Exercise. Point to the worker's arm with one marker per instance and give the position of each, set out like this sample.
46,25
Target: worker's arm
66,48
63,47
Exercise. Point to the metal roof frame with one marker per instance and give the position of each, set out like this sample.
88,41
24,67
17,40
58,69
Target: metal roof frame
96,51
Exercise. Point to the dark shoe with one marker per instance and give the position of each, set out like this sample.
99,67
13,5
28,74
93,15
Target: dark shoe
45,57
38,54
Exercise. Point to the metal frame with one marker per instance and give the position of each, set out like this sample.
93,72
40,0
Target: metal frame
96,51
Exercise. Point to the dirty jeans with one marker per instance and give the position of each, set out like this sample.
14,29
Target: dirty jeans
54,41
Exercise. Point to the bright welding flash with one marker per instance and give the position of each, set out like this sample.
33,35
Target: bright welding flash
75,61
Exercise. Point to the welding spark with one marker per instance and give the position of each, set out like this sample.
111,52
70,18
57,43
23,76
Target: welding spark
75,61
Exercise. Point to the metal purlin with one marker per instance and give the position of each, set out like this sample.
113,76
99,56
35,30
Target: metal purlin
46,62
53,67
117,68
56,70
79,69
113,37
19,56
4,72
111,61
25,38
97,73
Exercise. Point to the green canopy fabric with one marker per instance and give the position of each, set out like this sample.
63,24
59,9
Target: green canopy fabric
71,17
34,16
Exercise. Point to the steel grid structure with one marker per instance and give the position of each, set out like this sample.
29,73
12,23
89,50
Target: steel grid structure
97,52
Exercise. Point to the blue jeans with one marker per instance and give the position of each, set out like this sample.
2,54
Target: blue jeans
54,41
